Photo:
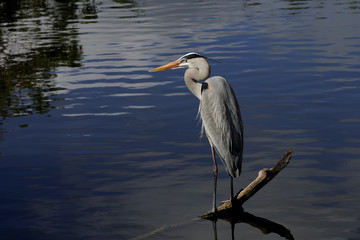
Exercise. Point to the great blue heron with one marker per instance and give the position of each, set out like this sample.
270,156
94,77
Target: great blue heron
219,111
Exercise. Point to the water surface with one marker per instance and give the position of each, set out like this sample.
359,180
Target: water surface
93,146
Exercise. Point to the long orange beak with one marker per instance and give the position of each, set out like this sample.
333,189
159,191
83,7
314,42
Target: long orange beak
170,65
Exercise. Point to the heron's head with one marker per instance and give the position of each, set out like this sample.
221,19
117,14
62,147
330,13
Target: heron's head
189,60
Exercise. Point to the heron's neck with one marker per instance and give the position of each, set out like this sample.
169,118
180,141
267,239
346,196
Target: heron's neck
192,78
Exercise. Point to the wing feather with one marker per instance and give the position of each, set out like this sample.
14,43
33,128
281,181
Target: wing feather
221,120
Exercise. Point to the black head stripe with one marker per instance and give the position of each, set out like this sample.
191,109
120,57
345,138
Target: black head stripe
191,55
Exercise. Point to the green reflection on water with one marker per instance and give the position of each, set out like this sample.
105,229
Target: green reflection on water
35,38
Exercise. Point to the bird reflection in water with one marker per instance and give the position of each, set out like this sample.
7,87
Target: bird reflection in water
264,225
234,217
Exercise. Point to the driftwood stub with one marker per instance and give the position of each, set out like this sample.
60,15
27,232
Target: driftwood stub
264,176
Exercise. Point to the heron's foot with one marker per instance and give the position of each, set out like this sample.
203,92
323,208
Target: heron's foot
226,201
231,200
214,210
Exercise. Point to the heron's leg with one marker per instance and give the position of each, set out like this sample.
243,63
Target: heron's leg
215,170
232,188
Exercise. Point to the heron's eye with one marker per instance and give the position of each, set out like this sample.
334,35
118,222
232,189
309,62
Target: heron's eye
184,60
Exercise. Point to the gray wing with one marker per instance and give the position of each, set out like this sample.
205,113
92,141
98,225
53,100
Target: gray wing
221,120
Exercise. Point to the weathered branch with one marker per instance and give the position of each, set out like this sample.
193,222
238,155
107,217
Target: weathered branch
265,175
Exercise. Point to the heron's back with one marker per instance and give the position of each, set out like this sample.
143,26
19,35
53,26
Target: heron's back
221,119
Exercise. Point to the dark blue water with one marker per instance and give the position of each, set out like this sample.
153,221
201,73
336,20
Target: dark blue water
93,146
